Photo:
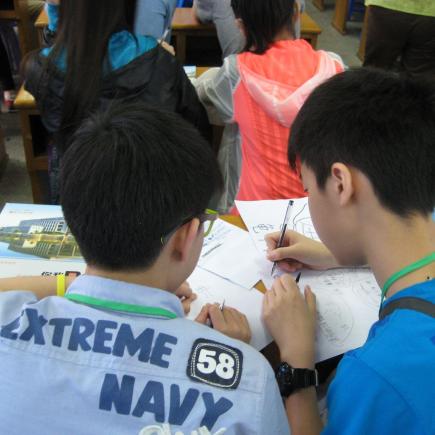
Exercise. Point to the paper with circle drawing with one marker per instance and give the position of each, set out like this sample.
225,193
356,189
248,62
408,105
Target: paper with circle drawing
347,299
211,288
228,251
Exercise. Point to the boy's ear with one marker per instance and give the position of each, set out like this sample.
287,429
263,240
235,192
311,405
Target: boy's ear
184,238
342,183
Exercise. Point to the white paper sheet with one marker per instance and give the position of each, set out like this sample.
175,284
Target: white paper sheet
264,217
211,288
348,299
229,252
347,306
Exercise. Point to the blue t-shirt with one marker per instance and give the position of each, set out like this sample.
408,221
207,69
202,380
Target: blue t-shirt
388,385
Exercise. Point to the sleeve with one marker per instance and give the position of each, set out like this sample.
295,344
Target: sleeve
340,65
216,88
153,17
274,417
53,16
202,13
360,401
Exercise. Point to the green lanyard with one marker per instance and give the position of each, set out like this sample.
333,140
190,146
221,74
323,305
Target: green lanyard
405,271
118,306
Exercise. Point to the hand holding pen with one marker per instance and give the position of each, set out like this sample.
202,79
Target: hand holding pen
283,230
229,321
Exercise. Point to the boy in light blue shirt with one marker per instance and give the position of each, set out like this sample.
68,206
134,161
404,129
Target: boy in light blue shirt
116,355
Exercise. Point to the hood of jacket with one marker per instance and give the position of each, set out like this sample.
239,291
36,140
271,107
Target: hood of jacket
281,79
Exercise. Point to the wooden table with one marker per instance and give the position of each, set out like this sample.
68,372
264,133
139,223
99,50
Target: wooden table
185,24
340,15
36,138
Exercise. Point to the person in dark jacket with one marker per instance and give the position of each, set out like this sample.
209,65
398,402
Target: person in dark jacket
96,59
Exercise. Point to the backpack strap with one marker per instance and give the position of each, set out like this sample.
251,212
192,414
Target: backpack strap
408,303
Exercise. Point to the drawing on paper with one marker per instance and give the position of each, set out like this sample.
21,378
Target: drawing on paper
263,228
335,319
302,223
367,290
204,291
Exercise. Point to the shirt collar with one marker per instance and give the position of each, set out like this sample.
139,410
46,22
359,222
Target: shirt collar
423,290
125,293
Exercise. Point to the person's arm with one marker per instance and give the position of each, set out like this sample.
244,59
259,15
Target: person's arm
41,286
298,251
154,17
291,320
215,90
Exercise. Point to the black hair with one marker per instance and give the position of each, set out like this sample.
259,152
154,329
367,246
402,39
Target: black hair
85,28
263,20
131,175
379,123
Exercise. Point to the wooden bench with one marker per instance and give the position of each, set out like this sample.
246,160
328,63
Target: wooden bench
185,24
20,14
36,140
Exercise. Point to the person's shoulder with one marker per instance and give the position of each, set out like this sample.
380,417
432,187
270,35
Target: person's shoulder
207,347
12,304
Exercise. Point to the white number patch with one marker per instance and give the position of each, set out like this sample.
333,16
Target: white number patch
215,364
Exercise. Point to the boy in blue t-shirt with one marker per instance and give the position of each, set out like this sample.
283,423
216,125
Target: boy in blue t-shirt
366,142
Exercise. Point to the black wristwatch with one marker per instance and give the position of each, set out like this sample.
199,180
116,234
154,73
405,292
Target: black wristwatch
290,379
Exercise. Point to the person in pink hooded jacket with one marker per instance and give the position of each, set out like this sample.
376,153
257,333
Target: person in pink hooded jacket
259,93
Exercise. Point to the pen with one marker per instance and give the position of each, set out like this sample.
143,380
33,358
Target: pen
298,277
222,305
283,230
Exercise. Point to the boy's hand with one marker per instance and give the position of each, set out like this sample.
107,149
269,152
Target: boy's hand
229,321
291,320
299,251
186,295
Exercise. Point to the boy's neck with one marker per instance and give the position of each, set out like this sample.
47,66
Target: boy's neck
394,243
152,277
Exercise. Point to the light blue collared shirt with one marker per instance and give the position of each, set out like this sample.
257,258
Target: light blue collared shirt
71,368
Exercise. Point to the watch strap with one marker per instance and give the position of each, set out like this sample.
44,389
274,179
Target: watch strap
291,379
303,378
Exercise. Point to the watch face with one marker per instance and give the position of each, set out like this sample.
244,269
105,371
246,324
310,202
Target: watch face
284,377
